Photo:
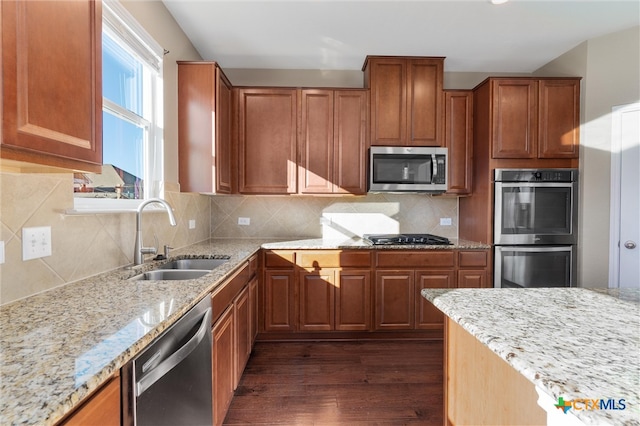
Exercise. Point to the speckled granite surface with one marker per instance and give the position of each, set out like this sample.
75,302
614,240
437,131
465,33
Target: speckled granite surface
570,342
358,243
58,346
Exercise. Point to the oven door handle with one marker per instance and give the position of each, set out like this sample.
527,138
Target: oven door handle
536,249
175,358
536,184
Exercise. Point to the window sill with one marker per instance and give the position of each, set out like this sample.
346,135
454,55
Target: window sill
83,206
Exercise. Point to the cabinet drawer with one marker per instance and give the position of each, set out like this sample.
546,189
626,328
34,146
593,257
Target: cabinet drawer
473,259
417,259
334,259
279,259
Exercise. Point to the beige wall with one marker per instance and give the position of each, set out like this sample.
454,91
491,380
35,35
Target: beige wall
610,66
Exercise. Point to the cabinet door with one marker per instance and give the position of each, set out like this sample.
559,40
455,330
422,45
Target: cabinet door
427,315
279,303
558,118
388,101
267,128
424,102
472,279
350,141
316,169
254,303
222,365
317,300
52,83
353,300
204,128
514,118
103,408
242,318
223,160
459,139
394,300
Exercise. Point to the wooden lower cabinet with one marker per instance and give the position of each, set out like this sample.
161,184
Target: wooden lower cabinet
279,300
399,305
102,408
243,338
223,365
255,308
394,300
429,317
334,299
369,291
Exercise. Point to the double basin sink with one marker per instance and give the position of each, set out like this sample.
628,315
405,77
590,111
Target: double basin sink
182,269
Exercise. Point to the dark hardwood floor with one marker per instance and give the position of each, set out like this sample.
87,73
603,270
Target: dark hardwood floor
341,383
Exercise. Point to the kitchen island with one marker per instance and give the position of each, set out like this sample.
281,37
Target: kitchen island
572,346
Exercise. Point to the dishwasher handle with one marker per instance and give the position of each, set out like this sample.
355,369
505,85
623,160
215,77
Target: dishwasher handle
174,359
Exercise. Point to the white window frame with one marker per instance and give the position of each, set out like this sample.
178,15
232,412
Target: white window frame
120,23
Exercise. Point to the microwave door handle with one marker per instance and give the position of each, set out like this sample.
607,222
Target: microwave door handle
434,165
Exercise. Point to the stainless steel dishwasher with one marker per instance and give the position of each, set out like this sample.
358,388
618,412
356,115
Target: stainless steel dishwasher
171,378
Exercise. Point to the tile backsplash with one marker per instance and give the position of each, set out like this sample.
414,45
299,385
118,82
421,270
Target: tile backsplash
88,244
331,217
82,245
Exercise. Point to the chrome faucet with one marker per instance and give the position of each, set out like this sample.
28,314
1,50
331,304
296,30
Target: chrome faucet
139,250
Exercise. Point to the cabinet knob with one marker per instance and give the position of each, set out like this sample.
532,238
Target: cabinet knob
630,245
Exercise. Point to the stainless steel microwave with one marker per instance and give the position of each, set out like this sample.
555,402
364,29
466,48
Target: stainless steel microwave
407,169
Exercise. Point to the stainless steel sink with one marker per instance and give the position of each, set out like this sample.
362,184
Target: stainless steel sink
171,274
207,264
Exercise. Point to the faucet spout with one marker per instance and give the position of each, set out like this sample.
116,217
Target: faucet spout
139,249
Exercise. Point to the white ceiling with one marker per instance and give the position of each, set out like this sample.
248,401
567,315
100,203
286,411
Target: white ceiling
474,36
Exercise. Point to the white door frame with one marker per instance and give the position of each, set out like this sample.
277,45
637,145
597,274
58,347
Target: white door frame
616,159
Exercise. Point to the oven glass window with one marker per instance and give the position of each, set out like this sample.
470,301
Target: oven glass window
535,268
389,168
536,210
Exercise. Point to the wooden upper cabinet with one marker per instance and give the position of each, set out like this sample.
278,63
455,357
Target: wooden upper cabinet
406,100
317,166
514,118
204,128
558,118
535,118
52,83
459,139
267,129
332,141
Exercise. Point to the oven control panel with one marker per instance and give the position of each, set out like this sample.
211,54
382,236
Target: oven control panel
536,175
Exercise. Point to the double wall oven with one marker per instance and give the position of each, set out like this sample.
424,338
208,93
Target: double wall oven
535,227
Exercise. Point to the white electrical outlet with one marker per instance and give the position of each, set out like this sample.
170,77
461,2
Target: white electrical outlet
244,221
1,252
445,221
36,242
192,224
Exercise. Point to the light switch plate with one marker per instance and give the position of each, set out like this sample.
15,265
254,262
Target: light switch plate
244,221
36,242
445,221
1,252
192,224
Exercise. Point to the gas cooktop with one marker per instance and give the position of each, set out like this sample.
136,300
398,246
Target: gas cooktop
406,239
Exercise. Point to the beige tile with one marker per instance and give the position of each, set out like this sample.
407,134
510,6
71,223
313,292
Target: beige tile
103,254
22,195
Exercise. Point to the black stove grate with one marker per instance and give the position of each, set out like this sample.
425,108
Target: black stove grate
406,239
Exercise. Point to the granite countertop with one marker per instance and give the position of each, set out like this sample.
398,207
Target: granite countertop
359,243
60,345
570,342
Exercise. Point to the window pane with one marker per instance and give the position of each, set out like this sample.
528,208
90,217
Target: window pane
123,148
122,76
